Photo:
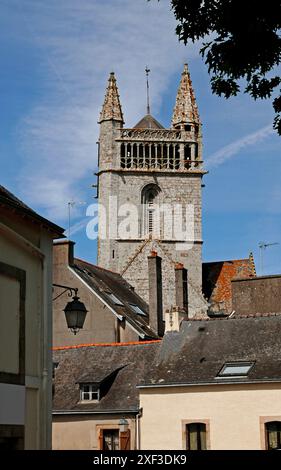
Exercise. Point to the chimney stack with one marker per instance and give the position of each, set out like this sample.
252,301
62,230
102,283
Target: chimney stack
155,293
63,252
181,287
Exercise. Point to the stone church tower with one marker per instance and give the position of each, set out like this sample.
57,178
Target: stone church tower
149,190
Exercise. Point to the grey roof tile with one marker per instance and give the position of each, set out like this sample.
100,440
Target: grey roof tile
129,362
105,282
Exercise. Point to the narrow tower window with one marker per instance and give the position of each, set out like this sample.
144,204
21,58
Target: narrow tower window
150,213
150,222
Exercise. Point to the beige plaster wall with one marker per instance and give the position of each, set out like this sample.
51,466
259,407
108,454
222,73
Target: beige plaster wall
28,246
234,414
78,432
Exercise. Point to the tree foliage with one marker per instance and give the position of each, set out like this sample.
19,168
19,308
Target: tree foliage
242,43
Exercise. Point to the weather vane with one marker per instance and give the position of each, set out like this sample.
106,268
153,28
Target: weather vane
147,70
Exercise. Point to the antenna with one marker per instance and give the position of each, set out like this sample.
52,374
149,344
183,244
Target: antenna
263,246
147,70
70,205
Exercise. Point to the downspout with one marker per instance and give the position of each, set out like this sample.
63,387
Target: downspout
43,397
46,331
137,430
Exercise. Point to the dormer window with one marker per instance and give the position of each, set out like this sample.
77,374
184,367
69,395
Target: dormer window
89,392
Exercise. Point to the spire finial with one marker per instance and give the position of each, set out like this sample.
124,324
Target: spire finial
147,70
111,109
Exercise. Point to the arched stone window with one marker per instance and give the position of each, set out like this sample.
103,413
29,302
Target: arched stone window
150,210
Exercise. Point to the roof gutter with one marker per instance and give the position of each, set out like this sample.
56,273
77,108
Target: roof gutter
199,384
94,412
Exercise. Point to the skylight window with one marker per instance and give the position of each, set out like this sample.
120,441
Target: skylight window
114,299
137,309
234,369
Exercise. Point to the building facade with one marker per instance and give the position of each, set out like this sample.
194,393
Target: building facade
149,192
26,243
207,385
215,385
96,402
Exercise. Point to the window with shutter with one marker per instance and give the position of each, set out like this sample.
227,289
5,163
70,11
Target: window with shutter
125,440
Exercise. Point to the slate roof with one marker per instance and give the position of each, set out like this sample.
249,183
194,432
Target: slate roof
148,122
7,199
105,282
197,353
217,277
129,362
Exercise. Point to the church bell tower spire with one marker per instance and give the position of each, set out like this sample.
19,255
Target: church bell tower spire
111,110
185,111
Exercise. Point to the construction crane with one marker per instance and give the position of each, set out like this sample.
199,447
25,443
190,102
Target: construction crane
262,247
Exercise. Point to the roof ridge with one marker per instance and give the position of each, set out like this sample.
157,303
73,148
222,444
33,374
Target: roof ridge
238,317
129,343
97,266
226,260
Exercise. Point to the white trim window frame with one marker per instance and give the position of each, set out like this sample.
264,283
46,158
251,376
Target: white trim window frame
89,392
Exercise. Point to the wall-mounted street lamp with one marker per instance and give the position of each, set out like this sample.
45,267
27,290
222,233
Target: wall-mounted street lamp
75,311
124,425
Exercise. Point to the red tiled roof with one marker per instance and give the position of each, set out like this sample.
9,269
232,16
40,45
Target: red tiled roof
217,277
131,343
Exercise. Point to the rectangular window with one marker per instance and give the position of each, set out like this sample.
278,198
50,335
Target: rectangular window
235,369
196,436
89,392
110,439
273,435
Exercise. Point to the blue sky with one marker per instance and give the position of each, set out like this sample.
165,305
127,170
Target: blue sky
55,58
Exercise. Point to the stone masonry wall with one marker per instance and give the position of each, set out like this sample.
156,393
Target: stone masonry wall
116,254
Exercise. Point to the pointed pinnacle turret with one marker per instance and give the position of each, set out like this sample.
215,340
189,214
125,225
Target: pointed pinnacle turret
111,109
185,110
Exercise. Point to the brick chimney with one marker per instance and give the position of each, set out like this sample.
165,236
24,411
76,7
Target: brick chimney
155,293
63,252
181,287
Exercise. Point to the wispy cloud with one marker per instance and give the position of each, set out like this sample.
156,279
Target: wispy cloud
81,42
225,153
77,227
